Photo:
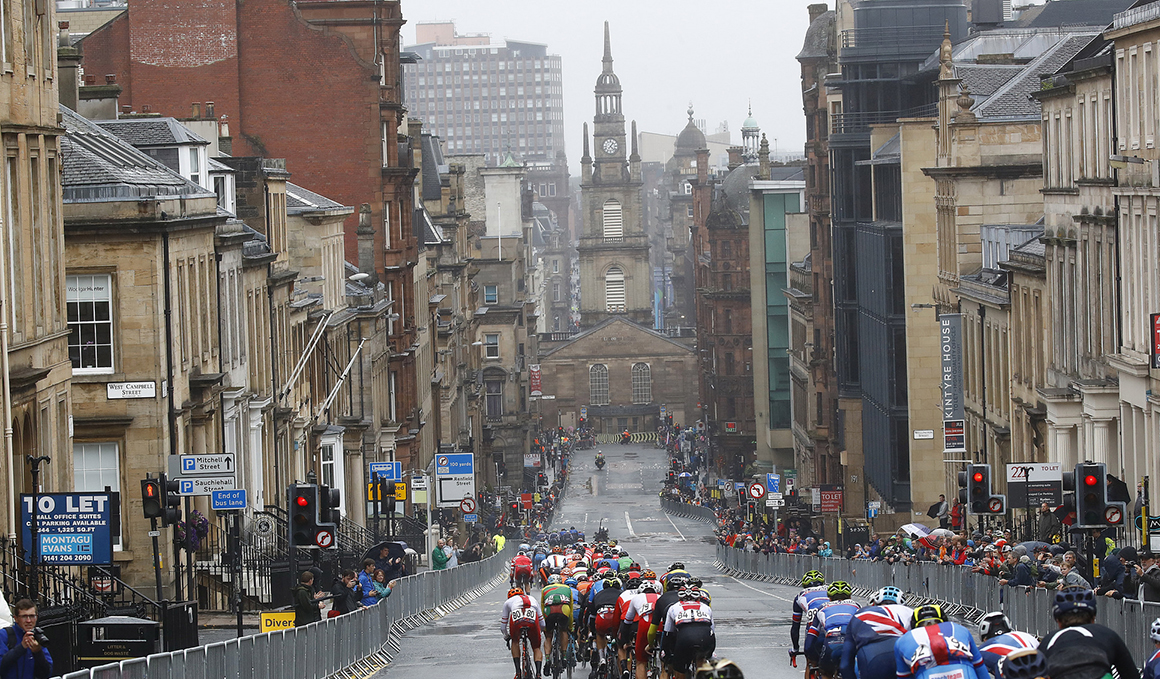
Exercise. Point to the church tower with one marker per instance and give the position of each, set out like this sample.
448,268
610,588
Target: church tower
615,275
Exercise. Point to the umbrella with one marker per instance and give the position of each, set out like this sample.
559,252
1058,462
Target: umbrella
396,550
942,532
1033,545
684,474
916,529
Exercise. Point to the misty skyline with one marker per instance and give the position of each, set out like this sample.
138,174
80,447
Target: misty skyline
666,56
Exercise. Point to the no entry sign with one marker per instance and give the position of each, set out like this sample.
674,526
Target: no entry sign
756,491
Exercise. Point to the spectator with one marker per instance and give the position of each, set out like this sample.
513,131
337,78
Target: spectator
452,553
366,583
957,515
23,655
394,568
825,552
499,541
346,593
383,587
943,512
1112,573
439,556
307,604
1049,525
1148,575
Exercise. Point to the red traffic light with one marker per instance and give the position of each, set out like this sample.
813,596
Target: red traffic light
150,490
302,502
1091,480
978,477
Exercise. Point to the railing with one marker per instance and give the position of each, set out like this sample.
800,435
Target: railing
706,514
1139,15
215,559
909,39
800,279
862,121
967,595
367,637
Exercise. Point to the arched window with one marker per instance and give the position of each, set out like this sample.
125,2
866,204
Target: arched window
641,383
614,290
598,385
613,219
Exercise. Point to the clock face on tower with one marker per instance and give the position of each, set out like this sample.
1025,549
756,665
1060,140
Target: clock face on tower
610,146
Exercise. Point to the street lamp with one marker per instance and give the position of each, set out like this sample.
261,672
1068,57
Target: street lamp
34,571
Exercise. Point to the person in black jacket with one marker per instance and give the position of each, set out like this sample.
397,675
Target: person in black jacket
1143,578
307,604
347,594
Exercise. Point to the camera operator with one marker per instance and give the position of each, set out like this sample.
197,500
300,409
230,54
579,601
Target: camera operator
24,655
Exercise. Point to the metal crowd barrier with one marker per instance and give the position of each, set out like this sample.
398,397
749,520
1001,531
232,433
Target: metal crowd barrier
689,511
357,643
964,594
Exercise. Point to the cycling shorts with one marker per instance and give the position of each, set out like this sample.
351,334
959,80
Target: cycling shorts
533,629
687,642
642,641
606,622
876,660
525,571
558,617
829,659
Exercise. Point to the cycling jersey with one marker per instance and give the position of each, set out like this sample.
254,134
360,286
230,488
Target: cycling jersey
687,613
604,609
521,565
639,612
625,562
554,562
1152,666
943,651
679,571
557,601
661,611
689,632
805,604
827,634
521,612
862,655
997,648
1087,652
614,564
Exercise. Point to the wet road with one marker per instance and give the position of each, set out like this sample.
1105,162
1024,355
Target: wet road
752,618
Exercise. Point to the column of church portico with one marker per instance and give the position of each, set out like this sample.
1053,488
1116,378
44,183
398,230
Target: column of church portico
1101,442
1061,448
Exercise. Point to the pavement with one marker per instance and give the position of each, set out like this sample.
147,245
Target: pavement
752,618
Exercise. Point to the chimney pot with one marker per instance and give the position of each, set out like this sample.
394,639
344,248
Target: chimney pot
90,80
209,109
817,10
63,25
125,108
110,78
196,110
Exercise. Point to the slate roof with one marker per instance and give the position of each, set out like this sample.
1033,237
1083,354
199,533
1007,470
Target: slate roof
1013,99
147,132
819,36
983,80
99,166
218,166
299,200
433,164
425,229
1077,13
1033,248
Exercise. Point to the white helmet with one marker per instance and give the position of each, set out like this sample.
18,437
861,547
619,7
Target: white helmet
654,587
888,594
995,623
1156,629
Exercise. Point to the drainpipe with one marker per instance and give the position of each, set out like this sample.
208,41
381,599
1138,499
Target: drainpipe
14,506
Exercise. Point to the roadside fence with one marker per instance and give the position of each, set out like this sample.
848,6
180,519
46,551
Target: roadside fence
356,644
706,514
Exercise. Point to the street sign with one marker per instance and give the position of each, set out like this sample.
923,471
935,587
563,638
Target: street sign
996,505
276,620
205,485
721,483
584,412
324,539
874,504
471,518
118,390
454,478
400,492
1033,483
756,491
1113,514
208,465
775,496
224,500
923,434
526,500
773,483
71,528
387,471
467,505
774,503
418,483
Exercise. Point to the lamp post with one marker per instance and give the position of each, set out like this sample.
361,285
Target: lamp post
34,548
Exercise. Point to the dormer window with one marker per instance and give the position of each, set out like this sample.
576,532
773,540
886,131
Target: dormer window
194,166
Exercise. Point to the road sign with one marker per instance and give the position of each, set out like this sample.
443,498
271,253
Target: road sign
228,499
774,503
205,485
756,491
400,492
467,505
454,478
324,539
583,412
1113,514
276,620
721,483
471,518
773,483
208,465
875,504
418,483
775,496
1033,483
996,505
387,471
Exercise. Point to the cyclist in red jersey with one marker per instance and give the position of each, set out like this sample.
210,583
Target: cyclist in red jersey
522,613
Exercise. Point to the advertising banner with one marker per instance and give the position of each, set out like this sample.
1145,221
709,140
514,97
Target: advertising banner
536,378
71,528
1030,484
951,378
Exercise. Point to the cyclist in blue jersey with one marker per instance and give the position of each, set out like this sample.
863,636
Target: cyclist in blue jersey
827,633
999,640
805,604
870,637
938,649
1152,667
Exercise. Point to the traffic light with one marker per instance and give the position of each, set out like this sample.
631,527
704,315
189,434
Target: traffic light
1090,496
170,500
151,504
964,484
303,501
979,487
329,500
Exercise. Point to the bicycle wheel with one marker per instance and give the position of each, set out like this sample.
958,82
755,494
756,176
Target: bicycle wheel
557,657
528,670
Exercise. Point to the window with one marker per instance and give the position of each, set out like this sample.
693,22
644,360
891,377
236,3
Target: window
555,292
95,467
598,384
490,294
493,400
614,297
729,363
555,266
641,383
690,212
90,322
392,396
332,466
194,167
491,345
613,219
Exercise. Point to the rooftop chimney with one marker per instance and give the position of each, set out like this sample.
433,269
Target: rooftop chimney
735,157
817,10
100,102
366,243
68,62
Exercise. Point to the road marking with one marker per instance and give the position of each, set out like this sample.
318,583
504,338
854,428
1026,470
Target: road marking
758,590
585,518
675,527
628,522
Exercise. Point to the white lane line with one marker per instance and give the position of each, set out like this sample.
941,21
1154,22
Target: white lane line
675,527
585,518
628,522
760,591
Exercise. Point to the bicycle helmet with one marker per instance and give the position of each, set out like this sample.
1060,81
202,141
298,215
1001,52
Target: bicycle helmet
993,624
515,591
554,579
524,546
1073,598
1156,630
677,566
581,577
571,582
704,596
650,587
1026,663
611,580
813,579
695,581
724,669
675,583
689,593
632,583
521,553
929,614
886,595
839,589
557,550
648,575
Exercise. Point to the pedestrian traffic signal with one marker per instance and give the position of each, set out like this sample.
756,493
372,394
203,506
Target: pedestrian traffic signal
170,500
330,513
151,504
303,501
1091,493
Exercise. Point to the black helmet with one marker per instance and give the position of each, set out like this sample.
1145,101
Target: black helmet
1026,663
1073,598
677,566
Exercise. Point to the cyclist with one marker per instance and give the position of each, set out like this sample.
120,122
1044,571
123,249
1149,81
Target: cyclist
937,649
624,635
870,636
625,561
671,596
521,613
521,570
689,633
639,614
805,604
1080,648
556,601
603,615
1027,663
999,640
1153,665
553,563
677,568
827,633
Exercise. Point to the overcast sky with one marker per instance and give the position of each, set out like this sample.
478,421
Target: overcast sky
717,55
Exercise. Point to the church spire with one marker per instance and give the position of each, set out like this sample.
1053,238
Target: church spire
607,49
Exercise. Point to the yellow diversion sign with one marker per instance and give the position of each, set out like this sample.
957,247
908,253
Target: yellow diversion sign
275,621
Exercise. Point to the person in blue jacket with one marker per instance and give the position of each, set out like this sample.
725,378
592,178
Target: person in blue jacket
938,649
827,634
22,655
871,634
